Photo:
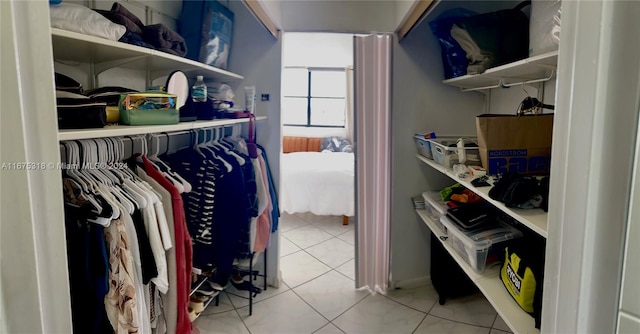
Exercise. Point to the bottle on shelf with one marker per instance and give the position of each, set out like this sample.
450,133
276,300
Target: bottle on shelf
199,90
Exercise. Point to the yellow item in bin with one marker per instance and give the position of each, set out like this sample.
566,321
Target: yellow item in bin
149,108
113,114
519,280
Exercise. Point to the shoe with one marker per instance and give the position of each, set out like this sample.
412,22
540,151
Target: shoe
192,315
247,286
217,286
207,290
196,304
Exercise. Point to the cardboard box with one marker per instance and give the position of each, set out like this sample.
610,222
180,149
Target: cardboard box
510,143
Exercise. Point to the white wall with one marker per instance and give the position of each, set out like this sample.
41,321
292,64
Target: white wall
317,49
256,55
402,8
338,16
274,10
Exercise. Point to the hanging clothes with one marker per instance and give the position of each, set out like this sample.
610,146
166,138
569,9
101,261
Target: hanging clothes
275,213
167,323
182,247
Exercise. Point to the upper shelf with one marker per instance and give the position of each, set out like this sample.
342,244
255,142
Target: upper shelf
105,54
537,68
534,219
130,130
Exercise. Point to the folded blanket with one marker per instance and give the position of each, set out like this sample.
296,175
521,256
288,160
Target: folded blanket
165,39
121,19
130,37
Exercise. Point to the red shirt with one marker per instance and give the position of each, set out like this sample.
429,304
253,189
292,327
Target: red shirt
182,247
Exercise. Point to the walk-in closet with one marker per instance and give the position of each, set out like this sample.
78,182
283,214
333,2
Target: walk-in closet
173,226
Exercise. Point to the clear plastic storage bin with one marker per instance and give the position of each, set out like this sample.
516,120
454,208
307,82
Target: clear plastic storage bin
435,207
424,148
447,154
480,246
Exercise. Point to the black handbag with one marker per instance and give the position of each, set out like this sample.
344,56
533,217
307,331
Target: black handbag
79,112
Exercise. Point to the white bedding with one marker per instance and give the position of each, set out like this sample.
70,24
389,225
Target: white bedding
317,182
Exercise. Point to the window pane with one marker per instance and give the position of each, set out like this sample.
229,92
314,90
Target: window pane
328,84
295,82
294,110
327,112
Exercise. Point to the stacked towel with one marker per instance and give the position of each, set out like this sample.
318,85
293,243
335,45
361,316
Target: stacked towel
157,36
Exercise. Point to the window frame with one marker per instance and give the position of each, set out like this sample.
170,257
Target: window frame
309,97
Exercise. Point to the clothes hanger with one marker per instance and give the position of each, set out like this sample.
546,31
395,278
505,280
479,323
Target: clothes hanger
97,182
70,172
209,146
196,146
186,185
105,186
95,207
227,150
153,159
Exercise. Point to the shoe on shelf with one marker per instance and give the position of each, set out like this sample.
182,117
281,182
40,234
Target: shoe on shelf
217,286
247,286
207,290
192,315
196,304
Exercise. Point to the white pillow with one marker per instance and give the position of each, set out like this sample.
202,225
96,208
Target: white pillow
83,20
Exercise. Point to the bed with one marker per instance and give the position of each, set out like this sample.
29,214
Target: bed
318,182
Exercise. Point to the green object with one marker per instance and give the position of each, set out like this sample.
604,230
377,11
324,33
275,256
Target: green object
446,193
149,108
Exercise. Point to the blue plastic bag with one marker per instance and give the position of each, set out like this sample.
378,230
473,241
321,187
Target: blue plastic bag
454,58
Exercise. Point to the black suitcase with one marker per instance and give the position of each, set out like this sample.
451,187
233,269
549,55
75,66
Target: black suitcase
446,275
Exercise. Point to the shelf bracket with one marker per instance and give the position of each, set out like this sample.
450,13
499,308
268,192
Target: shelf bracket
106,65
499,84
553,73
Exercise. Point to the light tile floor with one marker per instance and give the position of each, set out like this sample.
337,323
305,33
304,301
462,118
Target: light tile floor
318,294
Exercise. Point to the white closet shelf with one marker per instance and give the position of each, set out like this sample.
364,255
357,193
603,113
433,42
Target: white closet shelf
490,285
534,219
533,68
105,54
129,130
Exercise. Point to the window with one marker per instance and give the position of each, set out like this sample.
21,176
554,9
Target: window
314,97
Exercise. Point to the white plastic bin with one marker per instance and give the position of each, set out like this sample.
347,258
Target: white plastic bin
446,153
435,207
423,146
480,246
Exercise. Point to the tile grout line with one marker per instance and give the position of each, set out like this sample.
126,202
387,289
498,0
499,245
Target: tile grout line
420,324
